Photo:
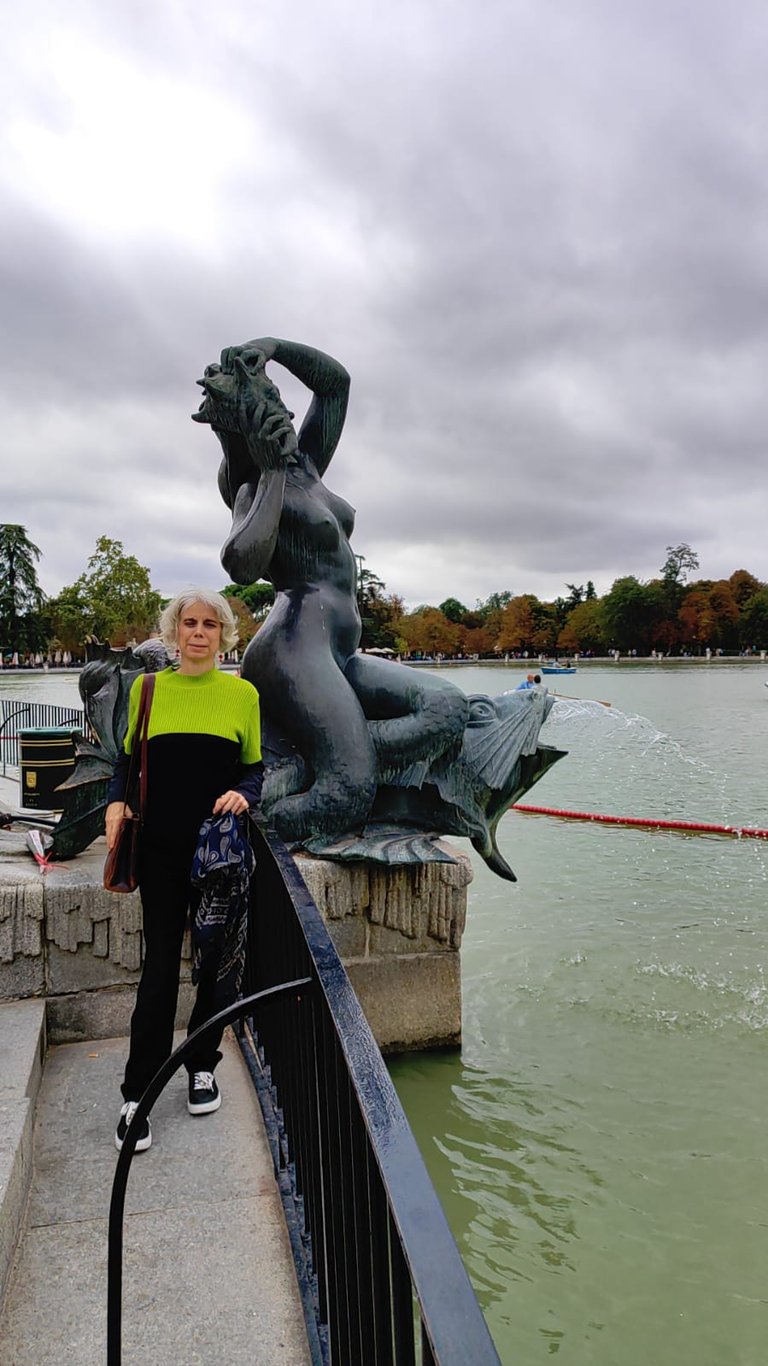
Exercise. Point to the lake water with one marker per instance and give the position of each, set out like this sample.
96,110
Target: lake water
600,1144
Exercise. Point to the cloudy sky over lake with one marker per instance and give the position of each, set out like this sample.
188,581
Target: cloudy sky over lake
535,232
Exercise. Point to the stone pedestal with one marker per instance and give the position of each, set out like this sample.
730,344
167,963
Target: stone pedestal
397,930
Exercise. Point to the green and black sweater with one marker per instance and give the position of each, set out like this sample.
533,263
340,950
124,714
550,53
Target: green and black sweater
204,739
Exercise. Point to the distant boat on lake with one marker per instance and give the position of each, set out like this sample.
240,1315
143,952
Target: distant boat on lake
555,667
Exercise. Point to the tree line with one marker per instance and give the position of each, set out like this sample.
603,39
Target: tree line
670,614
113,599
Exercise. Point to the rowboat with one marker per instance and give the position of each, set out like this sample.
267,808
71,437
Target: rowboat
554,668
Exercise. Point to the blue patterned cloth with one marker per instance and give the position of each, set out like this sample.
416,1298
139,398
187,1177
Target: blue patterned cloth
221,874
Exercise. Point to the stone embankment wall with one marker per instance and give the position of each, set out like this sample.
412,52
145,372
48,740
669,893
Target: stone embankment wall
398,931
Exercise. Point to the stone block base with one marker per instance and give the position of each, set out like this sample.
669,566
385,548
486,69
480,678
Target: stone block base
398,932
410,1002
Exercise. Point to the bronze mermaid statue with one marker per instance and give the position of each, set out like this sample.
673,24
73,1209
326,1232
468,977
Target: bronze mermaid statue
358,745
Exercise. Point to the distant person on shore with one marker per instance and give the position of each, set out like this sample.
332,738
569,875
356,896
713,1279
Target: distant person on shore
203,760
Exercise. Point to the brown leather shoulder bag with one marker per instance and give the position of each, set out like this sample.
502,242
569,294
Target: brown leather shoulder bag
121,869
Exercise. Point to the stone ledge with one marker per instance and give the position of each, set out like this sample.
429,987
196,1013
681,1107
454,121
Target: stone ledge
425,903
22,1051
80,946
22,910
104,1013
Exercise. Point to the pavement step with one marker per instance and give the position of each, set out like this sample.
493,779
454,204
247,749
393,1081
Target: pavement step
22,1049
208,1275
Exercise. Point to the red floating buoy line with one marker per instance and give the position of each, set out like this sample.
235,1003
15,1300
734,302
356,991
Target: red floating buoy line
648,823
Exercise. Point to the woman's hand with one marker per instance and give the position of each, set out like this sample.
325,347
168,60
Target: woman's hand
230,801
113,817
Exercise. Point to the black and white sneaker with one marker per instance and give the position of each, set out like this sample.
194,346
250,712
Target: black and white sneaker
204,1094
126,1115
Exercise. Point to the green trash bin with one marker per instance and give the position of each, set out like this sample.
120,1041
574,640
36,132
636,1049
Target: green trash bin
47,759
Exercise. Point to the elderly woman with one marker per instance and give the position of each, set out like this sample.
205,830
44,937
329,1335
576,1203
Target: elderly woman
354,719
203,759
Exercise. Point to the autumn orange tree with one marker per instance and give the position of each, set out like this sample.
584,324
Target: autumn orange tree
583,629
428,631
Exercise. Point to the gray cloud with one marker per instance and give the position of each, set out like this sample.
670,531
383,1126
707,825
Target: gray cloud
535,236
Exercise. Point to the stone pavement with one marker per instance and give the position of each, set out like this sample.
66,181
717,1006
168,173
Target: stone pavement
207,1271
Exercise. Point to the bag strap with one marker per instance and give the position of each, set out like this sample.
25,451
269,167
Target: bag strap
140,741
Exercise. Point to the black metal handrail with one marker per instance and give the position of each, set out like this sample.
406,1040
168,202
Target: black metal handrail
388,1280
120,1182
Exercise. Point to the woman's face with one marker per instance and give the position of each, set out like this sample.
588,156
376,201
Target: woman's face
198,638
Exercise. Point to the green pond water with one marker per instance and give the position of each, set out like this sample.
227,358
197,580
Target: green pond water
600,1143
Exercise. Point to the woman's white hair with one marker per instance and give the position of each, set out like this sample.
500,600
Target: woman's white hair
216,602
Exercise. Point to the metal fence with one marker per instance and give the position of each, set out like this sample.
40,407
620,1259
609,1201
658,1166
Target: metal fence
16,716
382,1279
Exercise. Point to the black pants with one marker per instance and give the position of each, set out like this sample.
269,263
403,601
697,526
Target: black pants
165,891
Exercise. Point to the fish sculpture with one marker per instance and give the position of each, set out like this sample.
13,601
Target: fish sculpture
104,685
500,759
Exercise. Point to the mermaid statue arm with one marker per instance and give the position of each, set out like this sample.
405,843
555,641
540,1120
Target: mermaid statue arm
329,382
247,552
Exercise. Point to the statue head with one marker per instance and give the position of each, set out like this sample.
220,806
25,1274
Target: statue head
242,400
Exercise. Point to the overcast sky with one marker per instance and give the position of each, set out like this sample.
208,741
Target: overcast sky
534,231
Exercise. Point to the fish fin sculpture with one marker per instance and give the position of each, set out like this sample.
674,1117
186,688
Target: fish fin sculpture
500,759
105,685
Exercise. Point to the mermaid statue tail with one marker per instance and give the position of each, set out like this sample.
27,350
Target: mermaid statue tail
466,794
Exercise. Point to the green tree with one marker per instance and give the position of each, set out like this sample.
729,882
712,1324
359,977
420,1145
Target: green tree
680,562
630,614
70,619
663,619
454,610
584,628
490,612
258,597
21,597
246,625
380,613
753,628
112,600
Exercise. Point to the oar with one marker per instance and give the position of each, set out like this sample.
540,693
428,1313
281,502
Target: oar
567,697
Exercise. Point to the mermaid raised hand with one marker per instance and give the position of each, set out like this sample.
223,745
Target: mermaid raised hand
354,719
